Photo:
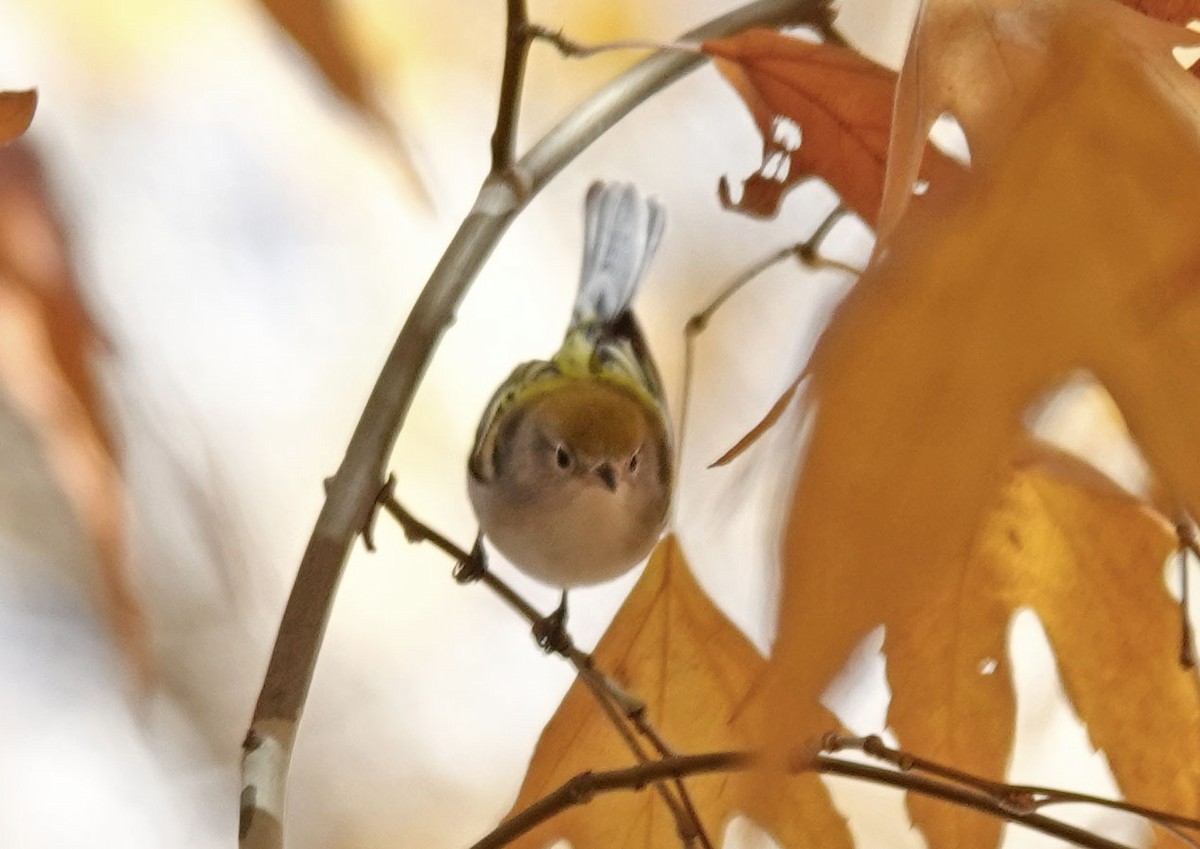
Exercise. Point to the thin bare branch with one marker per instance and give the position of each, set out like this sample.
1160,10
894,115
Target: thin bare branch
583,787
417,531
687,821
644,727
572,49
1021,799
964,797
807,252
580,789
518,36
616,704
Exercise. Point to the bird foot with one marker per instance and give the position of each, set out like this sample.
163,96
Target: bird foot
474,567
550,632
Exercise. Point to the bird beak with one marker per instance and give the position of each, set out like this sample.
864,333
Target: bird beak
609,475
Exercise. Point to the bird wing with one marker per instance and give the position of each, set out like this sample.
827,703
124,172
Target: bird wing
482,465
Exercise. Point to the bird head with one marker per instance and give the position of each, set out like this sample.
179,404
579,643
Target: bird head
590,433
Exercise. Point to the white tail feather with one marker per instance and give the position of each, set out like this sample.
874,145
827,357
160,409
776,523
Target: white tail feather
622,230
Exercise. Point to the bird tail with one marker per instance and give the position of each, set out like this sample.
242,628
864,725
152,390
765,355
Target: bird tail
622,231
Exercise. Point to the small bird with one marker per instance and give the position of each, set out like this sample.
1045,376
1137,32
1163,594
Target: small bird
572,469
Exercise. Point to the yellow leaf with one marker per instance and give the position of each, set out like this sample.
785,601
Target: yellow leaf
1068,244
1088,559
699,677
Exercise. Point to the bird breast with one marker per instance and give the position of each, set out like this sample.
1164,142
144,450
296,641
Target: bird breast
584,534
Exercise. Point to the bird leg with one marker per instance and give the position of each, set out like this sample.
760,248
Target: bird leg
550,632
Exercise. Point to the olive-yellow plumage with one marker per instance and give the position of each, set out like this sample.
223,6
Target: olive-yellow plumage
572,468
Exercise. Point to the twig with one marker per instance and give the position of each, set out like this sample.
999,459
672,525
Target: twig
1187,543
1021,799
351,496
417,531
572,49
642,723
1040,797
964,797
634,710
687,820
807,252
518,36
616,704
580,790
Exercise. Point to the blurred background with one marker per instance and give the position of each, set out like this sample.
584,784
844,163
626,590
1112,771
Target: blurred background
231,249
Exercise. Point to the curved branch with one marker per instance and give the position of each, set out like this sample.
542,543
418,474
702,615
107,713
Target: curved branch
580,790
352,492
1022,798
963,797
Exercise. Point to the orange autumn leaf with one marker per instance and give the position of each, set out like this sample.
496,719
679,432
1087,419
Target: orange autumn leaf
1173,11
670,646
821,110
47,344
973,61
1054,252
16,113
968,60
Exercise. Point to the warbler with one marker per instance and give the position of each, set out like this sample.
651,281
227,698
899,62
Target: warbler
572,469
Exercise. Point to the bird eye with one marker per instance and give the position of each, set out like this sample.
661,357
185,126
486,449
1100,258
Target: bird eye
633,461
562,457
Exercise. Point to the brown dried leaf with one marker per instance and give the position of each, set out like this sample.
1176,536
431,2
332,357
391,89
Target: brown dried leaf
47,340
16,113
993,288
821,110
1180,12
314,26
671,647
